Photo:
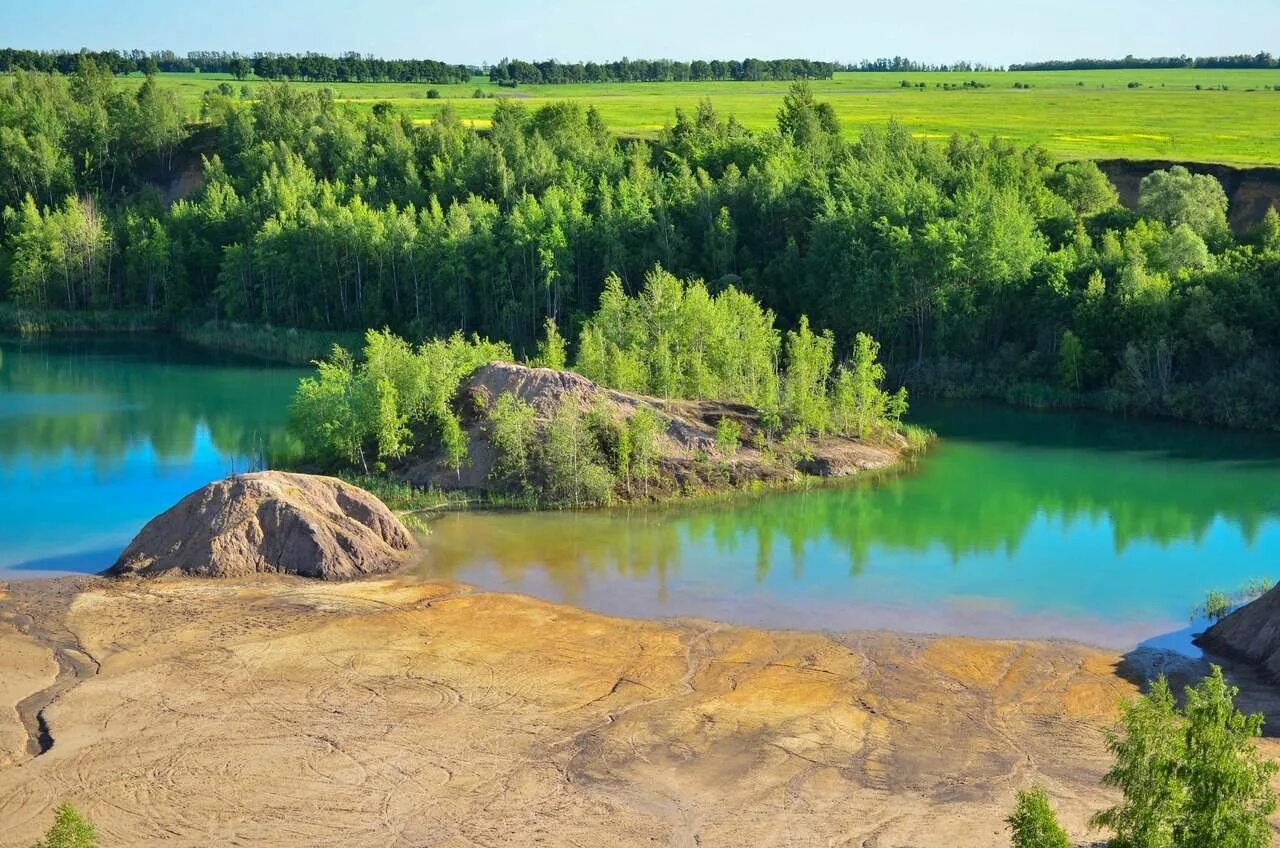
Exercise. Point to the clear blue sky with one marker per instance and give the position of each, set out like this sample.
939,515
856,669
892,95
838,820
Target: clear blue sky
474,31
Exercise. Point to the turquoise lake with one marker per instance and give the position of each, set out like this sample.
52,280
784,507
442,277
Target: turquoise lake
97,436
1019,523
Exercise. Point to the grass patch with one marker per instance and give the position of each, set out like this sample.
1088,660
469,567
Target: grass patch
1178,113
278,344
919,439
1218,605
398,495
42,322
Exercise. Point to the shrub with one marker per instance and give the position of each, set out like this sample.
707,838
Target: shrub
433,94
1191,778
643,429
70,830
552,350
1033,822
351,413
573,464
728,436
513,432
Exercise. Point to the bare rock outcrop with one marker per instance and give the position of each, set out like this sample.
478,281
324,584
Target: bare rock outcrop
1251,633
270,522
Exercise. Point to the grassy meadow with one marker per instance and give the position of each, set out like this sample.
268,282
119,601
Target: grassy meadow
1233,118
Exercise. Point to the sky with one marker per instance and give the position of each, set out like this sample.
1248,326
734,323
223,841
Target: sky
997,32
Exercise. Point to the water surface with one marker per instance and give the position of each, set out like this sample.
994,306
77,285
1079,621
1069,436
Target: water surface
98,435
1018,524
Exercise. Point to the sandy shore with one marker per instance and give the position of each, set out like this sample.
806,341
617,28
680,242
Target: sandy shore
399,713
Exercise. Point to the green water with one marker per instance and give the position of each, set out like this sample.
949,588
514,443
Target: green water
1018,523
99,435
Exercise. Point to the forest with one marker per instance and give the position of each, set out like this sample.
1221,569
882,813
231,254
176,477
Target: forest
312,67
1242,60
982,268
551,72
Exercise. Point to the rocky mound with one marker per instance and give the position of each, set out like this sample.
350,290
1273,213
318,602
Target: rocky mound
1251,633
545,389
542,388
270,522
689,458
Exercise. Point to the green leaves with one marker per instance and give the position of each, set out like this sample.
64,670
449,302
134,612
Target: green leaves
1033,822
357,414
69,830
1191,778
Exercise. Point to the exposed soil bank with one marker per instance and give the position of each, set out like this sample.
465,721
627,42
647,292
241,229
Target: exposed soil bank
1251,191
285,712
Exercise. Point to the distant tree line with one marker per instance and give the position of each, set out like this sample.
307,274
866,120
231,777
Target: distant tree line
552,72
1244,60
981,267
311,67
902,64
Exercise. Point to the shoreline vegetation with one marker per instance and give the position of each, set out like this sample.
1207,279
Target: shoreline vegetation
674,392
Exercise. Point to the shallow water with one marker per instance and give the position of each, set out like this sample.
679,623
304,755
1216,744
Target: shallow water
97,436
1018,523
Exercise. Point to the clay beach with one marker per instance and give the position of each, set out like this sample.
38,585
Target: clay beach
278,711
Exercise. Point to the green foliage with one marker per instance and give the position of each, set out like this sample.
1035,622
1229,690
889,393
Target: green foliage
805,403
967,259
1085,188
69,830
574,467
396,494
675,339
361,413
1070,359
1217,605
552,350
1177,197
513,433
563,461
918,438
643,431
1033,822
1191,778
859,405
728,436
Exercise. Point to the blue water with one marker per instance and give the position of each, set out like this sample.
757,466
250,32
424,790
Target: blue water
97,436
1018,524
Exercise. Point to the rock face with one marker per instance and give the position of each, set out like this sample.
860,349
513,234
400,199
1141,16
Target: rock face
270,522
1251,633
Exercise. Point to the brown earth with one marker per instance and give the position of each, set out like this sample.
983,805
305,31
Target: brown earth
273,522
1250,191
285,712
1251,634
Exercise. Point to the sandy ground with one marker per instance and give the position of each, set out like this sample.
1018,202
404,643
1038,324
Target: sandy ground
395,713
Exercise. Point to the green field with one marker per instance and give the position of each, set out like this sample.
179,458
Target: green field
1075,114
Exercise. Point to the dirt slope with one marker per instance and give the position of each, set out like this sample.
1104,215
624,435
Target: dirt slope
270,522
1251,634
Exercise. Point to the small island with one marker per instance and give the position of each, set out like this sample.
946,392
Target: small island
674,392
